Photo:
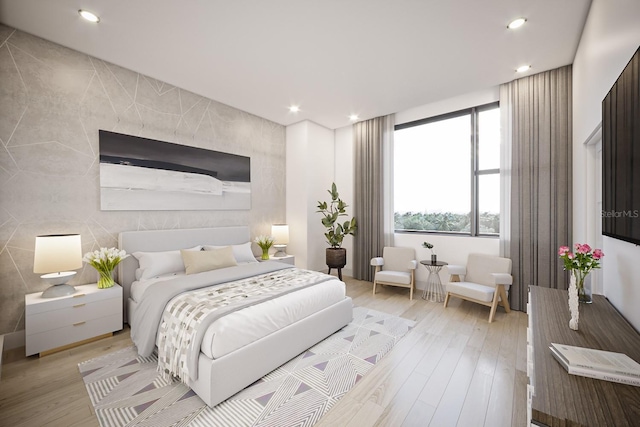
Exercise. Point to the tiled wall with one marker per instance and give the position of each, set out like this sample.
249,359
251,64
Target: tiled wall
53,101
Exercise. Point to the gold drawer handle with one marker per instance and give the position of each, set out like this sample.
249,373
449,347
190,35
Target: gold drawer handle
79,305
78,295
79,323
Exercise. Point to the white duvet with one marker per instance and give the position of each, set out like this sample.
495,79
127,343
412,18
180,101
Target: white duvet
243,327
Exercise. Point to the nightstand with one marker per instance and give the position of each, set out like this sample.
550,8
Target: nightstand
288,259
55,324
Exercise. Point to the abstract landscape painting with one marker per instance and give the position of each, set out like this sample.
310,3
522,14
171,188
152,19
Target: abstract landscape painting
145,174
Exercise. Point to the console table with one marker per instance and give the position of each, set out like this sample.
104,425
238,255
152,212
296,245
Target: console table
557,398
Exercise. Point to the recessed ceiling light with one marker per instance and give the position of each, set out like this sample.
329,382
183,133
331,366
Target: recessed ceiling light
523,68
353,117
89,16
294,109
516,23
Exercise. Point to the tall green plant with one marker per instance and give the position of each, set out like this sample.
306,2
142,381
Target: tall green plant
331,212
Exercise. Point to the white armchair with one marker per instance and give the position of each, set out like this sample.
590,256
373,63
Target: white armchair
486,281
396,267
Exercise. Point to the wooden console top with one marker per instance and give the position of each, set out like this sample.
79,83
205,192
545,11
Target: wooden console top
562,399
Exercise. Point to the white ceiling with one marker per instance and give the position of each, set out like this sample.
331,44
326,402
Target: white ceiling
331,57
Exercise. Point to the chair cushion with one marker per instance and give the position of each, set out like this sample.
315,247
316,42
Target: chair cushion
471,290
480,267
393,277
397,259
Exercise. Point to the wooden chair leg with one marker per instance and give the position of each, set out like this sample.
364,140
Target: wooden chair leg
374,278
411,288
494,305
446,299
503,298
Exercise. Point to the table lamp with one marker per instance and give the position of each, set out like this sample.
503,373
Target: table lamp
54,255
280,233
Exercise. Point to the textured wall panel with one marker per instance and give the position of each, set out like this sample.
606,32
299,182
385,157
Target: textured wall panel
53,101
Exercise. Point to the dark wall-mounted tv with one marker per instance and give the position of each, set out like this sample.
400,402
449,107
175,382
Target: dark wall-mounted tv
621,155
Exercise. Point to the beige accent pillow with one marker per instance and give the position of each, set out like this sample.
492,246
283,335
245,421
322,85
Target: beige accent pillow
199,261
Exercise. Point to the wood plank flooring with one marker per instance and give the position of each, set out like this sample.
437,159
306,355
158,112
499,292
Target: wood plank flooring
452,369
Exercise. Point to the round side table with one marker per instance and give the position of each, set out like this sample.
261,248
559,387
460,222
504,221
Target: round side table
434,291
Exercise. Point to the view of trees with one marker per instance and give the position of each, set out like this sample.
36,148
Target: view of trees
447,222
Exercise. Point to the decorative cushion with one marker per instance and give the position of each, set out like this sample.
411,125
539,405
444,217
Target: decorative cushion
153,264
199,261
242,253
471,290
393,277
480,267
397,259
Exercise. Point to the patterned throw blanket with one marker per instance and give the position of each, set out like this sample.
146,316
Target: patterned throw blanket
187,316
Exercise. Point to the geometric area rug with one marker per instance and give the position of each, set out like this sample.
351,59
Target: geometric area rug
126,390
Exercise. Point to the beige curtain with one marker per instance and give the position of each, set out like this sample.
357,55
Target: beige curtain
541,193
370,139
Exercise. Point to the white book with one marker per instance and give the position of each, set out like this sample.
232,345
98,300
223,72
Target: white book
604,365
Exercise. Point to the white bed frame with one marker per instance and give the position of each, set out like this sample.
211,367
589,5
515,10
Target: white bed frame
221,378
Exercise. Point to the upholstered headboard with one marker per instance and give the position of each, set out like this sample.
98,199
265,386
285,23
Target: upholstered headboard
167,240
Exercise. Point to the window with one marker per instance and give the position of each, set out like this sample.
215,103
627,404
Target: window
447,173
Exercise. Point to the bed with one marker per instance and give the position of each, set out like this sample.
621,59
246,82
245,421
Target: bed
225,367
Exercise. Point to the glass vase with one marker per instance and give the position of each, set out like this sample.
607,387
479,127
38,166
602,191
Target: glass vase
583,283
106,279
265,253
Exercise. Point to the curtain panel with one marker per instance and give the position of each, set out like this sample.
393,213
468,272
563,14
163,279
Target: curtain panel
541,178
372,142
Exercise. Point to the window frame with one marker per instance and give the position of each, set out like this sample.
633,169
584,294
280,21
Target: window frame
474,140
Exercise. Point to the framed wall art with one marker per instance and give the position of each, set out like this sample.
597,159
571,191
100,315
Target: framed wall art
145,174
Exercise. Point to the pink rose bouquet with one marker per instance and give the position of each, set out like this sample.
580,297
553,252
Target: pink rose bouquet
580,263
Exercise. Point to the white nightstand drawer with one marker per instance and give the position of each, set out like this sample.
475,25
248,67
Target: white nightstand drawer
53,324
50,320
85,294
48,340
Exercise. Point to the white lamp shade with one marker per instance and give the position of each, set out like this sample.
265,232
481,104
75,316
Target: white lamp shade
57,252
280,233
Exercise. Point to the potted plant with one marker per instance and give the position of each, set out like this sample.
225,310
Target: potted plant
336,255
434,257
265,243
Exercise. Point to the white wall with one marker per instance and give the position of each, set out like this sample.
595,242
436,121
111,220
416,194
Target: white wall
309,174
296,212
610,37
344,179
449,105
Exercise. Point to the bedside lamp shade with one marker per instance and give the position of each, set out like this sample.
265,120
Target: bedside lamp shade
55,254
280,233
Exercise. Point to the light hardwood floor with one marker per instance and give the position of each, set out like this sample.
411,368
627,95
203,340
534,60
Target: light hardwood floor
452,369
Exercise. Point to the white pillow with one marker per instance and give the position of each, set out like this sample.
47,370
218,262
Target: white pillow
199,261
153,264
242,253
